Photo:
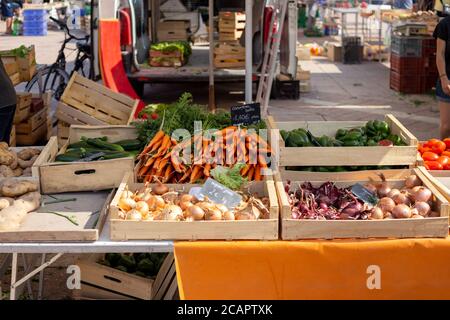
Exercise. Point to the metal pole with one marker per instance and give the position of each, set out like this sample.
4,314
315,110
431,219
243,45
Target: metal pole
212,99
248,50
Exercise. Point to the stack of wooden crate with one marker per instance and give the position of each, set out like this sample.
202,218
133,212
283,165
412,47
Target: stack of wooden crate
231,25
304,76
20,64
85,102
31,118
229,55
12,69
173,30
100,282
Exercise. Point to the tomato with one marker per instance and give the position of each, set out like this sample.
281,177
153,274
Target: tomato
446,153
430,156
426,149
447,166
154,116
447,142
433,165
438,147
426,166
430,142
443,160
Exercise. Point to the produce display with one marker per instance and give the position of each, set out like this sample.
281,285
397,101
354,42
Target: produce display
160,156
93,149
18,198
16,164
436,154
341,168
158,202
169,53
374,133
329,202
141,264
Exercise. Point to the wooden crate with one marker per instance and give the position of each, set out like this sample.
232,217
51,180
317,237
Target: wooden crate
30,138
303,75
63,129
11,65
229,55
344,156
440,179
265,229
28,73
85,102
33,122
230,35
173,30
293,229
59,177
22,107
105,283
233,16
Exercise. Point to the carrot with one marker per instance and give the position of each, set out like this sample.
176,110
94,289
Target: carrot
143,170
162,164
244,170
262,161
156,146
155,138
149,162
257,173
195,175
157,162
165,144
206,169
185,176
250,173
168,173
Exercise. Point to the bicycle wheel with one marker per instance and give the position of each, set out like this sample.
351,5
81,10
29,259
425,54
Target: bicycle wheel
50,78
83,67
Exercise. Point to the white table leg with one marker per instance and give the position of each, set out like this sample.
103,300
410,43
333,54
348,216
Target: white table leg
41,279
12,292
26,269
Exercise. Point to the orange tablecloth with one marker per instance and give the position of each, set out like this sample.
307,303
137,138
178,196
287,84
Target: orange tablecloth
409,269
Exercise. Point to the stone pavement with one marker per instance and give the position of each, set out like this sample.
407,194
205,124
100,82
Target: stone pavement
338,91
358,92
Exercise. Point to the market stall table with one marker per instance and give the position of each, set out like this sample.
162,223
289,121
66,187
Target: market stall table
317,269
104,244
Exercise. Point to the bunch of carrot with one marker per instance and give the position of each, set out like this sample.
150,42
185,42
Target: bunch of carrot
165,159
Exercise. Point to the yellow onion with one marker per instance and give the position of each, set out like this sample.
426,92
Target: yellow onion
126,204
213,214
229,215
195,212
142,207
134,215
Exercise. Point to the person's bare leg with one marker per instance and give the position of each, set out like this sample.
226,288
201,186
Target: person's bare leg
444,108
9,25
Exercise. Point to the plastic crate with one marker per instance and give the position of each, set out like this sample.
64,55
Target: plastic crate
32,24
34,14
288,89
407,65
40,31
412,84
352,53
355,41
406,46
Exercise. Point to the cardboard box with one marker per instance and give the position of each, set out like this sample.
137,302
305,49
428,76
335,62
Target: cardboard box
334,52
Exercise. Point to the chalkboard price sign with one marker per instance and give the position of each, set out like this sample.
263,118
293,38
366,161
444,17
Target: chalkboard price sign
246,114
217,192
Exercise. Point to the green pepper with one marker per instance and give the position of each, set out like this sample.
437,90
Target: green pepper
297,139
371,143
396,140
340,133
352,143
381,126
284,134
355,135
338,143
325,141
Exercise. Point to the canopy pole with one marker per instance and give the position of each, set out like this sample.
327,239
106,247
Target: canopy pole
248,50
212,99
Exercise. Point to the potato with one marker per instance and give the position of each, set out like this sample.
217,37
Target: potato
28,153
6,172
17,172
6,157
4,145
27,163
30,201
13,188
26,172
4,203
14,164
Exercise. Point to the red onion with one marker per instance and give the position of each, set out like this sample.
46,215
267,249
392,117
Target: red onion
423,208
401,211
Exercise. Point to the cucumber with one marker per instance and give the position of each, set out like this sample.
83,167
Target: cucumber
67,157
130,144
116,155
98,143
77,145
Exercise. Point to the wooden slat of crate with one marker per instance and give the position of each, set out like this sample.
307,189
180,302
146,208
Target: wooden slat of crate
115,280
71,115
231,25
98,101
440,179
232,15
11,66
22,106
223,63
33,122
62,132
344,156
59,177
169,35
89,292
12,137
230,36
31,138
265,229
293,229
15,78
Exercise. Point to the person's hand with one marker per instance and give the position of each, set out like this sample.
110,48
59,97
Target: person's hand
445,85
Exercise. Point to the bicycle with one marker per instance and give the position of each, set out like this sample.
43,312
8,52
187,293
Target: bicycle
54,77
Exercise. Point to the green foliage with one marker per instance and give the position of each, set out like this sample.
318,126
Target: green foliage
229,177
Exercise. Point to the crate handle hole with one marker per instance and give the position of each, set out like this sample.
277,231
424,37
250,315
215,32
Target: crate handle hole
112,279
88,171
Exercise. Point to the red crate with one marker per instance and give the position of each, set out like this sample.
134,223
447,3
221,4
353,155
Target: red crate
407,83
407,65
